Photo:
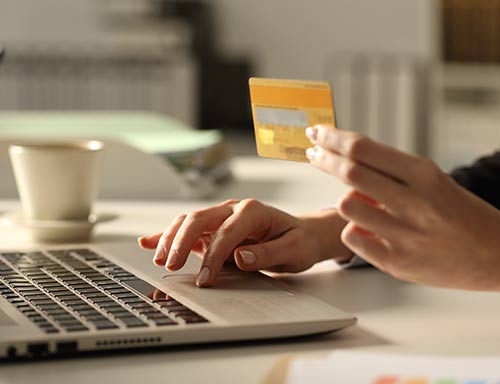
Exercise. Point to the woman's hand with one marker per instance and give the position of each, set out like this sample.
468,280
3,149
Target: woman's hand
406,216
257,236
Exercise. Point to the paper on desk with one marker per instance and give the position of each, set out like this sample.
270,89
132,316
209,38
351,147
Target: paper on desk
369,368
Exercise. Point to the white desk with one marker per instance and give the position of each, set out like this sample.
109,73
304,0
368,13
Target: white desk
393,316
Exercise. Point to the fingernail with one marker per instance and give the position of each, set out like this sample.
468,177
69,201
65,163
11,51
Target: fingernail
311,153
312,133
172,258
143,238
159,254
248,257
203,276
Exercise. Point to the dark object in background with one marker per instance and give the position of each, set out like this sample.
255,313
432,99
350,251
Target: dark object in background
471,31
223,84
224,98
482,178
1,53
198,14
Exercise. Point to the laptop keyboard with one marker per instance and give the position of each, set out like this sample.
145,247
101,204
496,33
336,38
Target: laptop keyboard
78,290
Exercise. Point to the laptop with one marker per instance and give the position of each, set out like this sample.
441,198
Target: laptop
66,300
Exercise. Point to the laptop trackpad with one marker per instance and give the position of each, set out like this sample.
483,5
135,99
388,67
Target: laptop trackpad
227,284
236,296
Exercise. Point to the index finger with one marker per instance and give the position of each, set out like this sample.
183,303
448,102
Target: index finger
251,220
355,146
193,227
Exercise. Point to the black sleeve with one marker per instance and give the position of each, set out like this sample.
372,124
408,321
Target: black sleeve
482,178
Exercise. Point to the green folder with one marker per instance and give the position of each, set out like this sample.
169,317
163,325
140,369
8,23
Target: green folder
149,132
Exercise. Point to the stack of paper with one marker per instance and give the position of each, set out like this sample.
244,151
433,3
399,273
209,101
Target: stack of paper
370,368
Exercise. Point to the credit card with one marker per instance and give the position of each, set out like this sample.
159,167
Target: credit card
283,109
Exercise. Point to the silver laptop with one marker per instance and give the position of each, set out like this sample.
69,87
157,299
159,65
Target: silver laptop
83,298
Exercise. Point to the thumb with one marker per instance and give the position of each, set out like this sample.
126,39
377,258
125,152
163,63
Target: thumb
284,250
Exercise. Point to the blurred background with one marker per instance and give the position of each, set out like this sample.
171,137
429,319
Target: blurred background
421,75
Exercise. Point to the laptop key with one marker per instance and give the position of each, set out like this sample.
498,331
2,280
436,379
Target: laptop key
96,318
132,300
76,328
80,307
10,296
132,322
88,292
164,321
56,312
45,324
69,322
17,300
63,316
32,314
41,302
29,291
99,278
104,324
101,300
23,284
193,319
52,284
73,300
108,304
127,295
141,305
38,319
165,301
118,290
35,296
154,315
117,311
90,313
143,287
87,254
58,289
48,306
147,311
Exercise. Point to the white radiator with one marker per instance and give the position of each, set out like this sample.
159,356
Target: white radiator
383,97
58,80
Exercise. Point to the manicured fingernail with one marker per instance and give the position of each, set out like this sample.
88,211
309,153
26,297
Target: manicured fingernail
312,133
172,258
311,153
203,276
248,257
159,254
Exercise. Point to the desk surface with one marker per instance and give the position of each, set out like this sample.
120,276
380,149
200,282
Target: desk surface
393,316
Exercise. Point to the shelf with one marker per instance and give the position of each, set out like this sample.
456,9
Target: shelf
469,76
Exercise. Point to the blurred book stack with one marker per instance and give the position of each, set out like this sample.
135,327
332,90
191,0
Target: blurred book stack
200,157
471,31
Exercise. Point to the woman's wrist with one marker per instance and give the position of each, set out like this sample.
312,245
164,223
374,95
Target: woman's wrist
325,227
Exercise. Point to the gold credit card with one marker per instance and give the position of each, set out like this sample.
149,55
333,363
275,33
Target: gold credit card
283,109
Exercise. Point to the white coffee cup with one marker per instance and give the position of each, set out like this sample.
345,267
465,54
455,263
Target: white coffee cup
56,180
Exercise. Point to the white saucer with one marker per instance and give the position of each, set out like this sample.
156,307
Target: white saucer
55,231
